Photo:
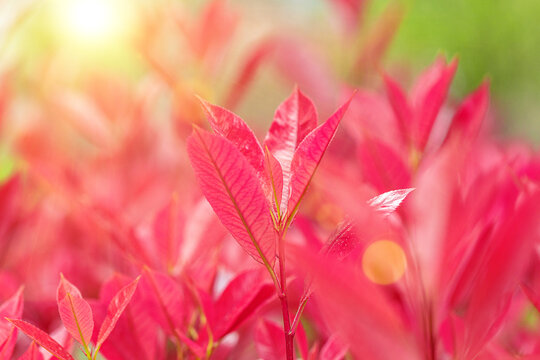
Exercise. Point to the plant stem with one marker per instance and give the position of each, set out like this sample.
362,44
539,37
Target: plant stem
289,336
298,314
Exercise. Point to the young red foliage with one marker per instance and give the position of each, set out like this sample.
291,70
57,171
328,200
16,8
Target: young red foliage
75,312
43,339
308,155
242,297
115,309
168,305
232,187
295,118
11,308
135,335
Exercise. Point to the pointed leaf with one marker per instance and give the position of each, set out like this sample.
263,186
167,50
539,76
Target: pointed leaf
275,175
428,96
343,241
247,71
308,156
7,345
295,118
400,105
270,341
382,166
240,300
389,201
234,129
32,353
233,190
170,305
12,308
135,335
168,228
469,116
497,279
333,350
43,339
115,309
75,312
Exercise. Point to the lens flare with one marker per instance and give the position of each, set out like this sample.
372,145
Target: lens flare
94,20
384,262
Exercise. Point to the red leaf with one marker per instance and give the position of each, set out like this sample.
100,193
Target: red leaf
168,226
275,175
496,280
233,189
248,70
240,300
469,116
428,96
135,334
308,156
75,312
381,166
115,309
195,348
295,118
333,350
389,201
8,199
170,306
343,241
400,105
234,129
43,339
12,308
32,353
8,344
376,330
270,341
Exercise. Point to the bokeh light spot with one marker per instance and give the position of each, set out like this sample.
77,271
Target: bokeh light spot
384,262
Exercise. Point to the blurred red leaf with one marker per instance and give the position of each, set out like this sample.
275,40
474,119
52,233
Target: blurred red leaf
240,300
32,353
270,341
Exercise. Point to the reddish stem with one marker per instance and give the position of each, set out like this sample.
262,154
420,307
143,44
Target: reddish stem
289,336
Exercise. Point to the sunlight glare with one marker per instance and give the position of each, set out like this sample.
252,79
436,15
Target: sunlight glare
94,20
